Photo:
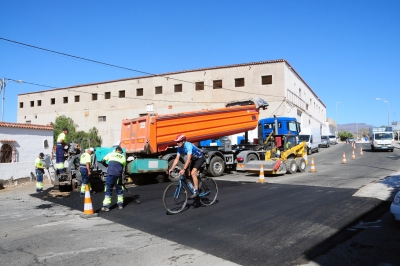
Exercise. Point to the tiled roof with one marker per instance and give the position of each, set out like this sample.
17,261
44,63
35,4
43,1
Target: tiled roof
27,126
7,140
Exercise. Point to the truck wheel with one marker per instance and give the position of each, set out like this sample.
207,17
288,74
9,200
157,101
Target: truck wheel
291,166
301,165
174,176
216,167
309,152
252,157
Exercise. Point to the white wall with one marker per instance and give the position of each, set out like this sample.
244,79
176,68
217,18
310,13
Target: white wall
29,143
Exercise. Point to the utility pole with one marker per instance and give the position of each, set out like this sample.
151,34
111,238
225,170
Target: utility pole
3,88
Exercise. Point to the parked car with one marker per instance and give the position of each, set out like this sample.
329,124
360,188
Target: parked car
325,141
395,207
333,140
350,140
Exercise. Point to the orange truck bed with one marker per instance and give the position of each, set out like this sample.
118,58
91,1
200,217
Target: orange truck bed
155,133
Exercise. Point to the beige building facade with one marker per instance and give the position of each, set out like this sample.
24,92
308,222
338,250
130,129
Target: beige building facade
105,104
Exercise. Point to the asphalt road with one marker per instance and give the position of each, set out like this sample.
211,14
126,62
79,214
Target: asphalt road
305,218
290,219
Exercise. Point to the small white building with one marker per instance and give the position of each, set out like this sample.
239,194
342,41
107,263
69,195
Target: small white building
20,145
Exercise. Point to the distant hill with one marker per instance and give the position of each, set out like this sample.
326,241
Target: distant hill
352,128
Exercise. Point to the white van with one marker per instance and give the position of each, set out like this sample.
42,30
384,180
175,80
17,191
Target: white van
313,138
333,139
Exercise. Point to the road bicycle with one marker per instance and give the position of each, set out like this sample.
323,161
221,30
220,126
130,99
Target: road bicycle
175,195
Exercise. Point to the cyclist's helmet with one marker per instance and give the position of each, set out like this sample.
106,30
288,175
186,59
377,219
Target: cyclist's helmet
180,137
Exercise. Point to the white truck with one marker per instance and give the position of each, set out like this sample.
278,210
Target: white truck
381,138
313,138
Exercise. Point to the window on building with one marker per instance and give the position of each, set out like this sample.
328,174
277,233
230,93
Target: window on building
265,80
239,82
53,101
102,118
39,102
21,105
6,153
158,90
32,103
107,95
200,86
217,84
77,98
139,92
121,94
65,99
94,96
28,121
178,88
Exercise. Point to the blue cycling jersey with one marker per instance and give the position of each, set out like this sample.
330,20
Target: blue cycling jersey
189,148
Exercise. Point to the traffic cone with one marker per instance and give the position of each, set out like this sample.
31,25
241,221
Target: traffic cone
344,158
361,152
353,156
312,169
88,207
261,179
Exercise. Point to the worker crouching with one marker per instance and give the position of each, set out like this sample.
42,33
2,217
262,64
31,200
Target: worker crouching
116,162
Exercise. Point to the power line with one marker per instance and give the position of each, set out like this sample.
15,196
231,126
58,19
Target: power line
120,67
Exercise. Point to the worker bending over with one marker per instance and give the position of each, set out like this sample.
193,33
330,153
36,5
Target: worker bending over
116,162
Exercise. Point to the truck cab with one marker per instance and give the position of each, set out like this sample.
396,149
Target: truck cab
285,125
381,138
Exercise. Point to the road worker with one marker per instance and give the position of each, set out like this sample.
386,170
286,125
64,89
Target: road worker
61,142
85,170
116,162
39,169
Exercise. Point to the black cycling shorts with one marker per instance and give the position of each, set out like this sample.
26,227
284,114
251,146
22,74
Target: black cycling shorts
198,163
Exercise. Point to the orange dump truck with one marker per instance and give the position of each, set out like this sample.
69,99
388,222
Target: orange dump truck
149,140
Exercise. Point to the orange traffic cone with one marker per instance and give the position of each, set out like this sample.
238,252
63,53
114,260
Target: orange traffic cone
312,169
88,207
261,179
353,156
344,158
361,152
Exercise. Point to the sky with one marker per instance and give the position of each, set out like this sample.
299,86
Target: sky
346,51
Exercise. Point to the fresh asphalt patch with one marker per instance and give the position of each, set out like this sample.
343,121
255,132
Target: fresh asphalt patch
250,224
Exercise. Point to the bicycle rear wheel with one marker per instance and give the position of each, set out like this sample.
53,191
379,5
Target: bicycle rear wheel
175,198
208,191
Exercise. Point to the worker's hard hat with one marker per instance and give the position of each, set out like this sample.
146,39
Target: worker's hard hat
91,149
118,149
180,137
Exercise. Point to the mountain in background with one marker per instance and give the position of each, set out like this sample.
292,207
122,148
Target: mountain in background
352,127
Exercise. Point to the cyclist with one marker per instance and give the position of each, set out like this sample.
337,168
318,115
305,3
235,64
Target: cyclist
194,155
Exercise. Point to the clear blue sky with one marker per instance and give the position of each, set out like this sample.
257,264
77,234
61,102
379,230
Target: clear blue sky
346,51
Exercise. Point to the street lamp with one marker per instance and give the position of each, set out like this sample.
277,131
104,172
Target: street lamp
336,119
3,91
357,130
386,101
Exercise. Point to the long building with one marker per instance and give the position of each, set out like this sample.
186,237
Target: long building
105,104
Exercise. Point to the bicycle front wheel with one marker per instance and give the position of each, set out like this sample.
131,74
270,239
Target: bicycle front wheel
175,198
208,191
